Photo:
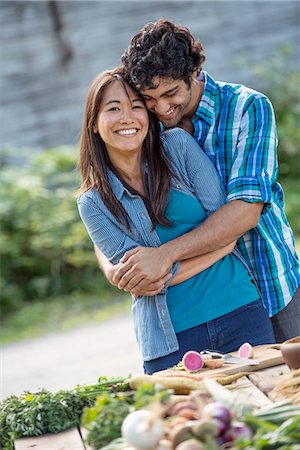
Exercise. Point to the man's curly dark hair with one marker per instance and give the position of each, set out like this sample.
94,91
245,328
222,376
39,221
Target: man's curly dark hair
162,49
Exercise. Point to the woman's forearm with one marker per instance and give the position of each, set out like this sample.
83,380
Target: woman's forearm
192,266
108,268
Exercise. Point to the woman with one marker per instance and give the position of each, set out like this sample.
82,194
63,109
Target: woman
139,188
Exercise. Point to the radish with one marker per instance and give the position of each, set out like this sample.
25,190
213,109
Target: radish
192,361
245,351
142,430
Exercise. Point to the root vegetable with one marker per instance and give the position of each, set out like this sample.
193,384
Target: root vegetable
192,361
180,433
217,410
214,363
177,406
176,420
242,430
246,351
164,444
205,430
191,444
188,413
179,385
141,430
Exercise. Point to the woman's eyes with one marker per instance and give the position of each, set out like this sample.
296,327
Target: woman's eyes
116,108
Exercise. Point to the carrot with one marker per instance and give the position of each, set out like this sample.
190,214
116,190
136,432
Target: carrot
180,385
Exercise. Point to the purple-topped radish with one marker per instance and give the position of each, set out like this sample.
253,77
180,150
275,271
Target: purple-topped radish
245,351
192,361
218,411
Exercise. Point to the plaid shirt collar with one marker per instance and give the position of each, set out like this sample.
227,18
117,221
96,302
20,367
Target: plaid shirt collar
206,108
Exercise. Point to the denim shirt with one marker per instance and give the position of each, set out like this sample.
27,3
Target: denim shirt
193,173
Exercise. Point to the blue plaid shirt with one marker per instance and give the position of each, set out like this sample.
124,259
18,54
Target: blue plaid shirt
236,128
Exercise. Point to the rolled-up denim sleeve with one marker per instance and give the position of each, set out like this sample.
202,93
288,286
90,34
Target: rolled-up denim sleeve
106,235
255,167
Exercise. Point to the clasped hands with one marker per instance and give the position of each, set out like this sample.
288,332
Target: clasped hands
142,271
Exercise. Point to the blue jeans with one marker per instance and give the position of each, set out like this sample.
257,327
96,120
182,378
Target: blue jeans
286,323
249,323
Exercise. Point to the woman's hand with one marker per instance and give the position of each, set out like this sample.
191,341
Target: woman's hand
143,268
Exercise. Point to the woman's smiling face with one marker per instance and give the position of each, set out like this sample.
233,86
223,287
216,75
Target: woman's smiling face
122,120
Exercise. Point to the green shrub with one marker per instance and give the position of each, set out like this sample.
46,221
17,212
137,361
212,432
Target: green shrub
279,78
45,248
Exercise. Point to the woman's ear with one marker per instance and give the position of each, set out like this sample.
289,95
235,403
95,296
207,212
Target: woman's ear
95,129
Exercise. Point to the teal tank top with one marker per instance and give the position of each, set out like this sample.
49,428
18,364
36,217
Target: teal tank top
218,290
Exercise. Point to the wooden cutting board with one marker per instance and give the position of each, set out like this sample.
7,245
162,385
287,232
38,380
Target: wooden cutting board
267,355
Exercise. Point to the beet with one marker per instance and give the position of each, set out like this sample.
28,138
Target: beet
245,351
192,361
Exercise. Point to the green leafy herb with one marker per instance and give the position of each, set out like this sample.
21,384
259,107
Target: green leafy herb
34,414
104,420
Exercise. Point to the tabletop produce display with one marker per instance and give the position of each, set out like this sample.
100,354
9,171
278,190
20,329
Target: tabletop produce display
189,407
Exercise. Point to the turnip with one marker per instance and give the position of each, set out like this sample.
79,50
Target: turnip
246,351
142,430
217,410
192,361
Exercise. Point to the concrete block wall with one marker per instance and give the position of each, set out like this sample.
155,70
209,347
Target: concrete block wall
42,97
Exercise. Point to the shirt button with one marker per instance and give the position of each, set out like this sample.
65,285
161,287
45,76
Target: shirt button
178,185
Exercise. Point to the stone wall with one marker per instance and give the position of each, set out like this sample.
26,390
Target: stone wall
50,55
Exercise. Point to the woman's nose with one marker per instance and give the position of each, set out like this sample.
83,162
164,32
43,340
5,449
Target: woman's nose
126,117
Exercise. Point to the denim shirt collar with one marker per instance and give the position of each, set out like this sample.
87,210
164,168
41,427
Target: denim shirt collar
117,186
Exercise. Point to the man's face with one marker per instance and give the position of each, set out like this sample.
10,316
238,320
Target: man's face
170,101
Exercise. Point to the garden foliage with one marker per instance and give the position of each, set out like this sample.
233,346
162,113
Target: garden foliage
45,249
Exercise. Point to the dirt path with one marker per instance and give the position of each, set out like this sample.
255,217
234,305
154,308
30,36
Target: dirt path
63,360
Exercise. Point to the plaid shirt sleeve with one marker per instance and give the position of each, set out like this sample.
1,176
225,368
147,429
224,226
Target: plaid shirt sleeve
255,166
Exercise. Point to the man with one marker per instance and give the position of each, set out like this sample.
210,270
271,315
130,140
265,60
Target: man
236,128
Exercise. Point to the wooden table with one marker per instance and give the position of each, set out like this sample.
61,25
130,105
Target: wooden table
254,388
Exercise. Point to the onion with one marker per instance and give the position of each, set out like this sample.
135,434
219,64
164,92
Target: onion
141,430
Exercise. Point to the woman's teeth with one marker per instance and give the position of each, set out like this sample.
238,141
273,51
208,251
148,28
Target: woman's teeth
127,132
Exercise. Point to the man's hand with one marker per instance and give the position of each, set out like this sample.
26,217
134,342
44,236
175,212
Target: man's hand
143,268
149,289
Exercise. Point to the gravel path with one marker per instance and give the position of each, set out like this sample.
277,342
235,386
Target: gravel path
62,360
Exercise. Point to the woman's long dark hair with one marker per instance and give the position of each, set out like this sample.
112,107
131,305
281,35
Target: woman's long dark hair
94,160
